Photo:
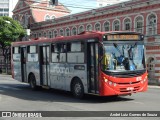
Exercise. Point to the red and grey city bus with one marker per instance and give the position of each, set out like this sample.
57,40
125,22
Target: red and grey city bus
98,63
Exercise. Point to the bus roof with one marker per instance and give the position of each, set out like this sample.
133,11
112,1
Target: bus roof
84,35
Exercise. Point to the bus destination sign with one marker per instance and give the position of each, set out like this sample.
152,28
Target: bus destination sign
123,37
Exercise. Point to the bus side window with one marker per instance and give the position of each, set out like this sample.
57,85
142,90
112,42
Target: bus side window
28,49
58,52
32,53
16,50
75,52
16,54
68,47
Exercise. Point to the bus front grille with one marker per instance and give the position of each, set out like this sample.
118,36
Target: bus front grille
129,83
126,74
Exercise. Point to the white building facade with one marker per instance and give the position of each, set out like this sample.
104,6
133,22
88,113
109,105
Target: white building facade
6,7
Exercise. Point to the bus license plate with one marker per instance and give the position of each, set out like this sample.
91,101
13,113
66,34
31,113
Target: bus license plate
130,88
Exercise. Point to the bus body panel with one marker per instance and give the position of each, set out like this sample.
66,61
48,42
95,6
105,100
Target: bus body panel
17,71
120,86
61,75
33,67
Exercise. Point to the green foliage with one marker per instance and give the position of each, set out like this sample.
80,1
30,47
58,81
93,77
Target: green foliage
10,30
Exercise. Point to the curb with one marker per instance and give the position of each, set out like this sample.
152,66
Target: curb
152,86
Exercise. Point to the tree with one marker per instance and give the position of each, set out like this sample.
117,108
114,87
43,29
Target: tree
10,31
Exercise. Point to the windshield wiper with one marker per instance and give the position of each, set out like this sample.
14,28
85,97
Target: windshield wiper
122,59
118,49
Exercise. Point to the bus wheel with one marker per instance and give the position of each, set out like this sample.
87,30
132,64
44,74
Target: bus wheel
77,89
32,82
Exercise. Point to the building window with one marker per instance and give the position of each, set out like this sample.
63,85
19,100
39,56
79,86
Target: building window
55,33
150,67
23,21
116,25
26,20
39,35
53,17
106,26
74,31
67,32
15,18
47,17
152,24
61,33
45,34
139,24
97,27
35,35
89,27
151,64
127,24
81,29
50,34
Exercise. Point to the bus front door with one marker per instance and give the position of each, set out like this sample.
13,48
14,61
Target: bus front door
92,58
23,64
44,65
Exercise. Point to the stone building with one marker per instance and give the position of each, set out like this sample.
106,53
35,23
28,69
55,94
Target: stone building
136,15
34,11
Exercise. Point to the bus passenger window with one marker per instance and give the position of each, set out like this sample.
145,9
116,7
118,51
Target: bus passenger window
76,55
68,47
32,53
16,54
76,46
16,50
59,52
13,50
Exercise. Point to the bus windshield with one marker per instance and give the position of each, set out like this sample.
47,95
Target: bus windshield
123,57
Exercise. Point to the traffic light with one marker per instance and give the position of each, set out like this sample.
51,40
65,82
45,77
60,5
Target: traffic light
55,2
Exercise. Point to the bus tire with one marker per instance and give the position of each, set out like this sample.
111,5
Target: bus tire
77,88
32,82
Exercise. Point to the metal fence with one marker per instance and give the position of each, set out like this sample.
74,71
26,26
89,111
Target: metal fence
5,66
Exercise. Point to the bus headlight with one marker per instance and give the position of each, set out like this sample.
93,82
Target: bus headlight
110,83
105,80
115,84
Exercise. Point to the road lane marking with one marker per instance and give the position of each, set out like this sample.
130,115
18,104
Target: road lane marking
150,86
136,102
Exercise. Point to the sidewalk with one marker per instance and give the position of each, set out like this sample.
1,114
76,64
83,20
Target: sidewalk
153,86
5,75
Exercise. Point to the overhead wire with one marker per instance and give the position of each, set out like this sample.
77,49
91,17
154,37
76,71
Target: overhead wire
68,5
